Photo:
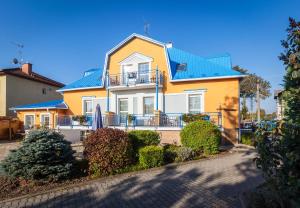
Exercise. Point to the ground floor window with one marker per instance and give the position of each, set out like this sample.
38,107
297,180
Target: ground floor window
87,107
29,121
148,105
45,120
194,103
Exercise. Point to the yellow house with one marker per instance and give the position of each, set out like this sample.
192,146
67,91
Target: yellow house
147,84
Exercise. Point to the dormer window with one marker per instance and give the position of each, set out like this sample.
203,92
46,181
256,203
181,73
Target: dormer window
181,67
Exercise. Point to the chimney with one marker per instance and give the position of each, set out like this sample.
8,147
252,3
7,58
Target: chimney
27,68
169,45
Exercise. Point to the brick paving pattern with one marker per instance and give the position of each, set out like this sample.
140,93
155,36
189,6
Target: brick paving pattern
208,183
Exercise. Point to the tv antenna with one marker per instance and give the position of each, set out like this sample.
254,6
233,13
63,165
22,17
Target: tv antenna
146,27
20,47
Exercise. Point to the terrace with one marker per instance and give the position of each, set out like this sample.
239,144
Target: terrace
173,121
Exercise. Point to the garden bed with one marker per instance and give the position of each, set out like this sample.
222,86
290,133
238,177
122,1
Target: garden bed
21,188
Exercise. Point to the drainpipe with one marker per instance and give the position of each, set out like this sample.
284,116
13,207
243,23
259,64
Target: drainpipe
156,87
107,91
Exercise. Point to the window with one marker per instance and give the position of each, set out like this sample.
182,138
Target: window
181,67
45,120
194,103
148,105
87,107
44,91
144,72
29,122
144,67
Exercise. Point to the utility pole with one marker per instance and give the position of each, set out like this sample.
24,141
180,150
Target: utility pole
258,101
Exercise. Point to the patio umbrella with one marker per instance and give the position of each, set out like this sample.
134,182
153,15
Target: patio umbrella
97,119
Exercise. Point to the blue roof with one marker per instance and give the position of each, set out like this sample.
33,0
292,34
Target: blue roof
53,104
199,67
90,80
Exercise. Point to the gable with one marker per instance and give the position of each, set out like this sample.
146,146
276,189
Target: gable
136,58
137,50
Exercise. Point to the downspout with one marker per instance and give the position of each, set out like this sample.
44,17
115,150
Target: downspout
239,117
156,87
107,91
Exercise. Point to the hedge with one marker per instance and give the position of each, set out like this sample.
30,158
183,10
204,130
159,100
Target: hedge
151,156
201,136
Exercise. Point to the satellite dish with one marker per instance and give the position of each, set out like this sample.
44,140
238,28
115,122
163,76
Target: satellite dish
15,61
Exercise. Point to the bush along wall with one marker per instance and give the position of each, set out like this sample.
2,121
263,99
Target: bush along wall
108,150
201,136
151,156
43,155
142,138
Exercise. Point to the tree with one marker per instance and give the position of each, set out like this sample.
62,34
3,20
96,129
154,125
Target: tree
244,110
291,58
279,152
44,155
248,87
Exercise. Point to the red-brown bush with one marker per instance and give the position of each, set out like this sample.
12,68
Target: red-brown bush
107,150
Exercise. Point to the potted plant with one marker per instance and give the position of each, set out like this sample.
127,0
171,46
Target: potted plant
75,120
131,119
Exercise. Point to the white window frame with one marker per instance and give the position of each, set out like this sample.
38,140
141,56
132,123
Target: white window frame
29,114
201,94
143,103
83,99
123,98
135,59
48,114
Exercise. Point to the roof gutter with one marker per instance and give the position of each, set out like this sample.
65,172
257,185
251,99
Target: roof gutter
50,108
79,88
208,78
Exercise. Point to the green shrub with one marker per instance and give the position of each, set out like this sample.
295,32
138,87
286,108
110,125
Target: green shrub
170,153
151,156
107,151
43,155
184,154
247,138
188,117
201,136
142,138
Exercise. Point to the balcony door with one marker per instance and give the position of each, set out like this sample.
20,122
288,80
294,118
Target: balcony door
129,74
123,110
143,72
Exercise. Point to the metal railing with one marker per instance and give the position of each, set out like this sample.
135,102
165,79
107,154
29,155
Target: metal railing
135,77
137,120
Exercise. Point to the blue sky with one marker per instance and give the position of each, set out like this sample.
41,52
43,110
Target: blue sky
64,38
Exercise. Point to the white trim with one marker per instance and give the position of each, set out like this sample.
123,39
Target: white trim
208,78
80,88
89,98
49,114
128,59
29,114
201,100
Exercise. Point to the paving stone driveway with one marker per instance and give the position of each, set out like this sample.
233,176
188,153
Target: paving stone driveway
207,183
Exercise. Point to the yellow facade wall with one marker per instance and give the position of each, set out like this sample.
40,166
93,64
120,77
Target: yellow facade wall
74,99
221,94
37,116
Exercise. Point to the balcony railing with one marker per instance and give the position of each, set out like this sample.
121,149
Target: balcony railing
135,120
135,78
